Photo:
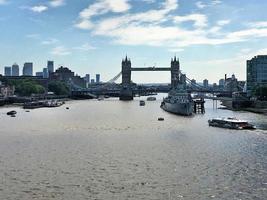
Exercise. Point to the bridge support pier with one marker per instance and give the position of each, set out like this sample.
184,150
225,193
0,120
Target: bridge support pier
126,94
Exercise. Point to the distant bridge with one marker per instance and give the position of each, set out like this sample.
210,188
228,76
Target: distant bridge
127,89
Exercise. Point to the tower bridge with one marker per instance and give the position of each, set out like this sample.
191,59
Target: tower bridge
127,89
126,72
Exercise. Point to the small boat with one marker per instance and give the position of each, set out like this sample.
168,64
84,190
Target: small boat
231,123
33,105
100,98
151,99
142,103
12,112
160,119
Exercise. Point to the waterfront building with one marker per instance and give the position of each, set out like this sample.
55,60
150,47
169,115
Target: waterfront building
15,69
232,84
50,66
92,81
39,74
45,73
205,83
27,69
8,71
256,72
97,78
6,91
66,75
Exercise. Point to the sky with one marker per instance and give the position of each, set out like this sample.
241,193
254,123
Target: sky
210,37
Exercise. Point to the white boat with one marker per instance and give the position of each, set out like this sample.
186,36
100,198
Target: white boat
231,123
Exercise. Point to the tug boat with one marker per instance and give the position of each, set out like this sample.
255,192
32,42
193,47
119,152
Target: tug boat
231,123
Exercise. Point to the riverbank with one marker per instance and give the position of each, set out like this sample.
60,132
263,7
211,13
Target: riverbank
259,107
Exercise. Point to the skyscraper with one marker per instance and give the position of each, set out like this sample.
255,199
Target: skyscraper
256,72
15,69
205,83
8,71
50,66
27,69
45,73
97,78
221,83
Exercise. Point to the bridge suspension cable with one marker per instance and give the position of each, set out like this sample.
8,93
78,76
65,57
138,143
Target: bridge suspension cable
115,78
188,80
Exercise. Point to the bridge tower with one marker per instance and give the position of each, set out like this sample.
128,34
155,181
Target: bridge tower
126,71
175,69
126,92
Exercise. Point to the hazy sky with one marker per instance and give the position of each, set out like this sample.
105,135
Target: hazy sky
211,37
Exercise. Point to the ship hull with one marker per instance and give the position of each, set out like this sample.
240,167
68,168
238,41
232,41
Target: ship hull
185,109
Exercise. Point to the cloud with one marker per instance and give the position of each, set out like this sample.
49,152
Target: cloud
2,2
199,20
33,36
161,27
99,8
85,47
56,3
201,5
223,22
49,41
258,24
216,2
38,9
149,1
60,51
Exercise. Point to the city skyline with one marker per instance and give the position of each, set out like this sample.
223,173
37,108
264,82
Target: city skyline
211,37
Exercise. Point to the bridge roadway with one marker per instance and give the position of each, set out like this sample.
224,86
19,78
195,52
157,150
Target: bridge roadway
141,69
141,90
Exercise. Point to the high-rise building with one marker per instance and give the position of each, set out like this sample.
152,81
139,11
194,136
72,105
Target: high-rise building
50,66
27,69
87,78
8,71
205,83
97,78
39,74
45,73
15,69
256,72
221,83
92,80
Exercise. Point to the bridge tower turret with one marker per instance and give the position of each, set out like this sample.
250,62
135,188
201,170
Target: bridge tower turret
126,71
126,92
175,71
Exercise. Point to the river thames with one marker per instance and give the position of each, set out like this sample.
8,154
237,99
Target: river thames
119,150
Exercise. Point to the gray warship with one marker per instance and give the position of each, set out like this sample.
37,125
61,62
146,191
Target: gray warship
178,101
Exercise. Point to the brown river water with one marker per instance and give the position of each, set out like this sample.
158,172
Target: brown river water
118,150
